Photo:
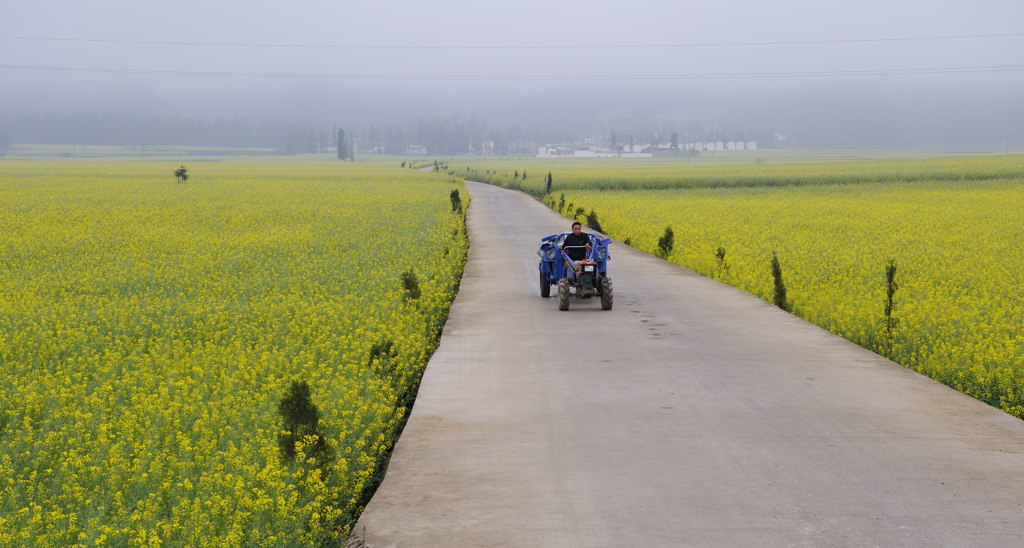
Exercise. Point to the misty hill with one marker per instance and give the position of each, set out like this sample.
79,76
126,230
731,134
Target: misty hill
838,115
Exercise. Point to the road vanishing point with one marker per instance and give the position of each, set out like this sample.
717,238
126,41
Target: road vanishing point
691,414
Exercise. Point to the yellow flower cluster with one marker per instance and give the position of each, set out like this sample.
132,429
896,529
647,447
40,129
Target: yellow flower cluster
956,246
149,330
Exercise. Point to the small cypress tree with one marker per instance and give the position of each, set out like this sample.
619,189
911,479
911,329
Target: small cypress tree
666,242
890,291
456,199
411,284
720,258
779,292
381,351
301,420
593,223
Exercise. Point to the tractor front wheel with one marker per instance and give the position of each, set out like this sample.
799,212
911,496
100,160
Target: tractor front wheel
563,294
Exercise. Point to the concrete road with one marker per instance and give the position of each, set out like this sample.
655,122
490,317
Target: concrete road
691,414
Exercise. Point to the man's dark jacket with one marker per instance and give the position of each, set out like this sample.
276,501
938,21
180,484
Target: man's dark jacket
576,253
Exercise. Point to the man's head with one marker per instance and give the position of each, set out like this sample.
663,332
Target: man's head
577,228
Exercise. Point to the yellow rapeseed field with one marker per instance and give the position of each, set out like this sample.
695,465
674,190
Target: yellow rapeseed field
149,331
735,169
955,243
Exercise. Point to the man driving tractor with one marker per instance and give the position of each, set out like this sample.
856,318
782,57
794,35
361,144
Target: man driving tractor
577,263
576,245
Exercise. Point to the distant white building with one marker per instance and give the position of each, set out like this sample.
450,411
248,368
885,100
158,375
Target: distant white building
572,151
556,151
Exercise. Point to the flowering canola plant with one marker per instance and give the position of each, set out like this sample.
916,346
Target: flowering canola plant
148,331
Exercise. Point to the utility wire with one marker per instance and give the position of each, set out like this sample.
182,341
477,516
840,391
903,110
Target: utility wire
482,77
516,47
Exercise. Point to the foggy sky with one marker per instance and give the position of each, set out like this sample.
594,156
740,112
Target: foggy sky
525,61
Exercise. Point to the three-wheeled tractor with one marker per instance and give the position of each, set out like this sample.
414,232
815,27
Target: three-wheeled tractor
588,278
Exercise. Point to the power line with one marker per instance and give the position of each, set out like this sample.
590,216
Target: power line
515,47
483,77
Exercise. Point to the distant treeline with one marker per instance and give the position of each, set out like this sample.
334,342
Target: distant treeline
448,135
131,130
433,136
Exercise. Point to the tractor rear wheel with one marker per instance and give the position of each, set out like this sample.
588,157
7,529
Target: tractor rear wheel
545,286
606,293
563,294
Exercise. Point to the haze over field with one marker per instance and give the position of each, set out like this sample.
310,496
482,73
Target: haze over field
868,73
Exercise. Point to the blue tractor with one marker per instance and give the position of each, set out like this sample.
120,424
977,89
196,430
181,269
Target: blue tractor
588,279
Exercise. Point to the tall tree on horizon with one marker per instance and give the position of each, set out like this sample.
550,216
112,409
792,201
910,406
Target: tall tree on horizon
342,146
